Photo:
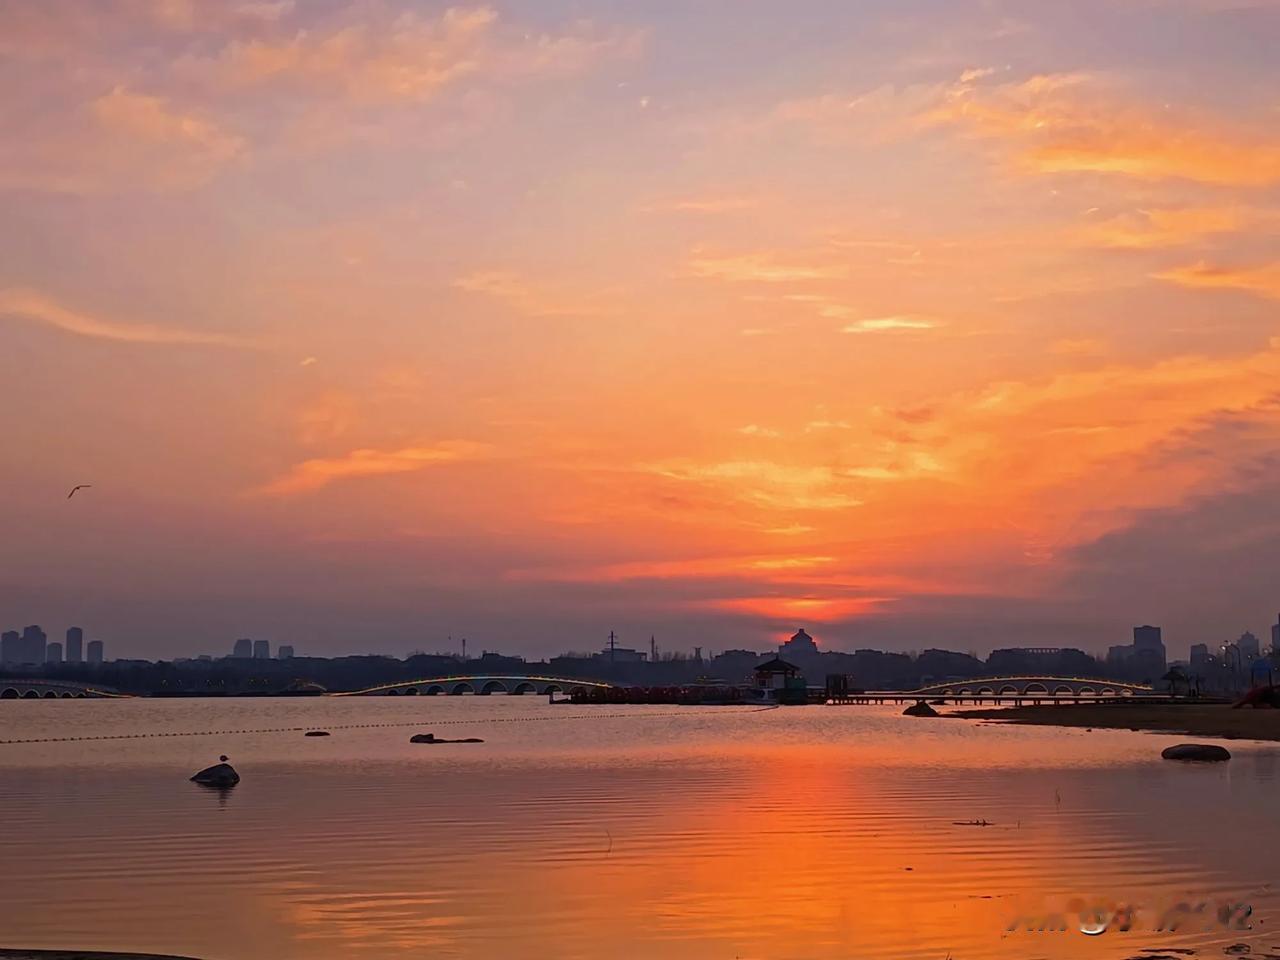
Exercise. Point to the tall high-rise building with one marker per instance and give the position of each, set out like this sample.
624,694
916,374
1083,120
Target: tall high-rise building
31,647
243,649
284,652
10,641
53,653
1148,653
75,645
1199,654
1147,637
93,652
262,650
1249,647
1275,637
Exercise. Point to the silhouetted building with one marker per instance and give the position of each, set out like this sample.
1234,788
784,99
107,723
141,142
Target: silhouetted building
243,649
1012,661
53,653
284,652
939,666
1149,662
30,646
93,652
620,655
779,681
1275,638
1199,655
262,650
75,645
1250,648
800,645
10,642
735,666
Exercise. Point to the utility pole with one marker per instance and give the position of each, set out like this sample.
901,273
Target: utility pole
464,649
612,640
653,650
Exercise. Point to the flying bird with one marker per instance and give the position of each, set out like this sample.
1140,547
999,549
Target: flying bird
78,486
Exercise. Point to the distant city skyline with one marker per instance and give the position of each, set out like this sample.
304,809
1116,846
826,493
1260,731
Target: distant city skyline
1146,639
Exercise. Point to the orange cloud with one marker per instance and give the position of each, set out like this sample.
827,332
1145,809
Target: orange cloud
313,474
120,140
409,57
1070,123
1149,229
889,324
765,483
35,307
764,268
1263,280
534,299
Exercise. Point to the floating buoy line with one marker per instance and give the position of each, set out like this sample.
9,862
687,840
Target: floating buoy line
364,726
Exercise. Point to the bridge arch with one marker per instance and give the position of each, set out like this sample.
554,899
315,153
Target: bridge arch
412,692
1108,692
67,695
1087,691
553,688
493,686
966,692
434,690
1036,689
986,692
9,694
1008,690
31,695
1062,690
524,687
458,689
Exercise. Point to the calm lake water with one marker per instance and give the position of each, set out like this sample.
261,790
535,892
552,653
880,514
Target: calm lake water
634,832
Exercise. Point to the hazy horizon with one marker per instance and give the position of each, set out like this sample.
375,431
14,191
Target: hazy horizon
917,324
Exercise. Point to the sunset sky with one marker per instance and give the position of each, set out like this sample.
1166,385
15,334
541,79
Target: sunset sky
915,322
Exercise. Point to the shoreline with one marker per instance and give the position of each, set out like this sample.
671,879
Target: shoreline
1193,719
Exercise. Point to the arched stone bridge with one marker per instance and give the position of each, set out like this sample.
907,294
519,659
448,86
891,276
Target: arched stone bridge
1034,687
33,688
480,685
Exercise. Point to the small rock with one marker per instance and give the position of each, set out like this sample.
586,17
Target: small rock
1206,752
316,733
920,709
219,775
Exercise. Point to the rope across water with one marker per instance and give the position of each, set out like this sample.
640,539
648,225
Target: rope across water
359,726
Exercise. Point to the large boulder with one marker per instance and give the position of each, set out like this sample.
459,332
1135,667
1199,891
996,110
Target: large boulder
219,775
1206,752
920,709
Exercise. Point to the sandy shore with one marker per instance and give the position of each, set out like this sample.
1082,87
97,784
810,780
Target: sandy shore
11,954
1200,720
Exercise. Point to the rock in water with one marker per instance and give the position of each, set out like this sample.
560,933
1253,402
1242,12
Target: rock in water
316,733
920,709
423,738
1207,752
219,775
